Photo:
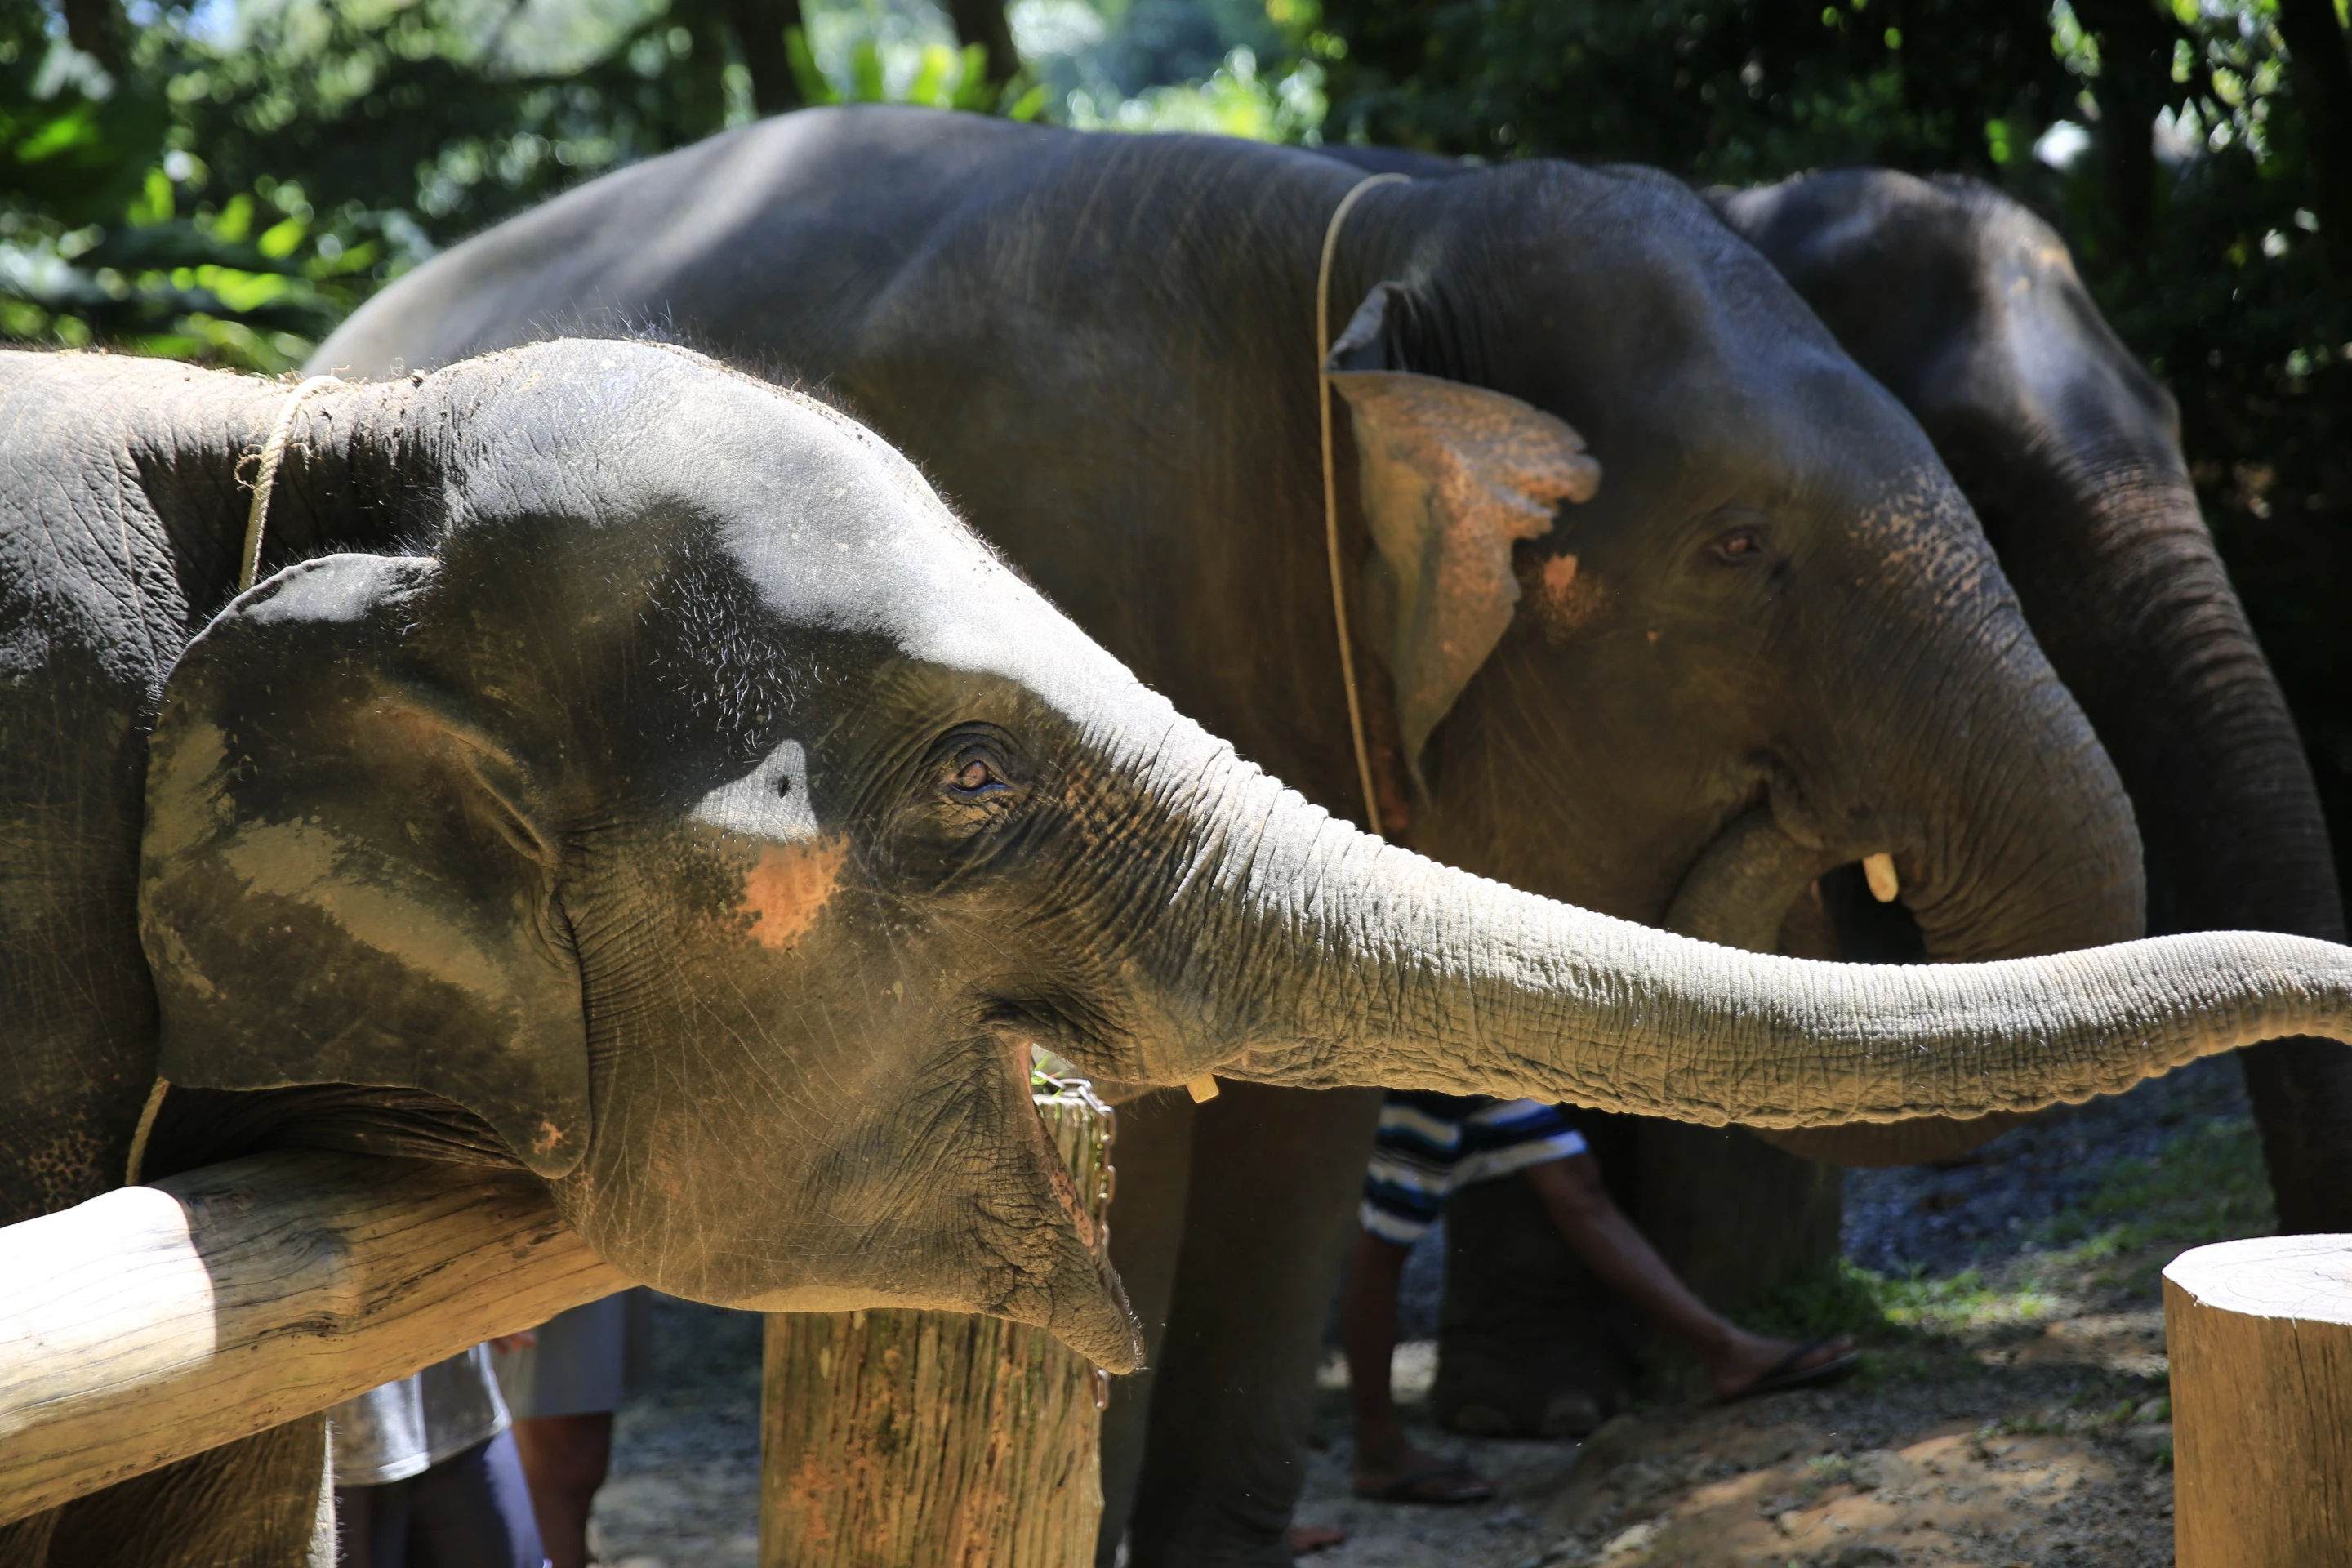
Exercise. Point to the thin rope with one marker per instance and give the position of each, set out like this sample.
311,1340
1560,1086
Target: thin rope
138,1137
1331,492
265,478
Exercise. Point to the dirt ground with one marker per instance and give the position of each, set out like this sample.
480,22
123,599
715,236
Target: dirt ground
2012,1408
2037,1444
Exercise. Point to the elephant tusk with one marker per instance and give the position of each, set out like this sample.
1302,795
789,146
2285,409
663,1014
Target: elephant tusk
1203,1089
1878,870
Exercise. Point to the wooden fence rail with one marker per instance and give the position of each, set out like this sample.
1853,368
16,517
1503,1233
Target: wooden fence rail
158,1322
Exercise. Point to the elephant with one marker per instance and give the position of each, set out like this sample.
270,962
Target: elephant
1966,306
629,772
1753,634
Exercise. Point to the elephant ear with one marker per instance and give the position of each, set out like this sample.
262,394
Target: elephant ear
343,877
1452,476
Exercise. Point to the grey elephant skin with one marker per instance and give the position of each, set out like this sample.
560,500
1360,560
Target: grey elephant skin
1666,604
639,778
1967,307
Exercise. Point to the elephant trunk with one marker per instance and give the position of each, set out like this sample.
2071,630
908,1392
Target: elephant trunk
1341,959
2136,610
2012,828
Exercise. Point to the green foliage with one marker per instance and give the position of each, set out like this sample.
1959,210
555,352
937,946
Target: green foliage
240,175
1234,100
1722,89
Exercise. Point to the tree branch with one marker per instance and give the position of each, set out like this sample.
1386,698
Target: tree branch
982,22
2321,72
760,28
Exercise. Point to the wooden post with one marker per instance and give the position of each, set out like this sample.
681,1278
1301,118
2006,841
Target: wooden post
911,1440
2260,1334
158,1322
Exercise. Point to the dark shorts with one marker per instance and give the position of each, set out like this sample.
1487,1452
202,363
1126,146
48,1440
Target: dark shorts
1431,1144
470,1510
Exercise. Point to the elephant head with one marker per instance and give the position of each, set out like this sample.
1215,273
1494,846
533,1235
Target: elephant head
1764,638
1967,307
699,816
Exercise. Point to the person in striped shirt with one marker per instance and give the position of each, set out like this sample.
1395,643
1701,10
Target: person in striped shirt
1428,1146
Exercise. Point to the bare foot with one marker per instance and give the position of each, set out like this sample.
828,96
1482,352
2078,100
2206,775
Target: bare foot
1306,1540
1750,1359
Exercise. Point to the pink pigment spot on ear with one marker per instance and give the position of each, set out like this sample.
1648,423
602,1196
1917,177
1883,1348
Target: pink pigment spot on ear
1559,577
1563,598
789,887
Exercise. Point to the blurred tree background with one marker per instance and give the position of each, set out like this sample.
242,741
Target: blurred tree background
224,179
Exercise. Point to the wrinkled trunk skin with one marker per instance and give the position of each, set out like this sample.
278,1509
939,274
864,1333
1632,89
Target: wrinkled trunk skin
2013,839
1532,1343
2122,583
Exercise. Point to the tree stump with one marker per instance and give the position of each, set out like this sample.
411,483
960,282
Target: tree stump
2260,1334
913,1439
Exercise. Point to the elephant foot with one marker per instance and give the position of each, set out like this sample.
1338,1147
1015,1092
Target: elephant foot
1568,1414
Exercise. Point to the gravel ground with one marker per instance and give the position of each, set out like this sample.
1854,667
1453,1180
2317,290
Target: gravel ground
2015,1418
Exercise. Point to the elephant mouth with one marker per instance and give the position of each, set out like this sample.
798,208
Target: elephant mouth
1754,886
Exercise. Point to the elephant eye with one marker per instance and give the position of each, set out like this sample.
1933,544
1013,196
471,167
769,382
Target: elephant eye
1738,547
973,779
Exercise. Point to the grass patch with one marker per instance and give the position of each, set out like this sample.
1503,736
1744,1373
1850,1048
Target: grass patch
2207,1184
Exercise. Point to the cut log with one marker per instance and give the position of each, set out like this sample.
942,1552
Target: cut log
2260,1335
912,1440
158,1322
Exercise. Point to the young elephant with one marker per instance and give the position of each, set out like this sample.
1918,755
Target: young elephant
683,807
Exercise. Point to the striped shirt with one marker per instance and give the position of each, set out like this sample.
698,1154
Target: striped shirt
1431,1144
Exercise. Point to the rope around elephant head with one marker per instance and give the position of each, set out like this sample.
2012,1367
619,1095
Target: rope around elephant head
256,524
1332,490
265,475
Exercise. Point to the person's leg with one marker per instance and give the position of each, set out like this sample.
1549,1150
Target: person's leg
372,1525
1386,1459
1605,1239
472,1511
564,1459
1415,1153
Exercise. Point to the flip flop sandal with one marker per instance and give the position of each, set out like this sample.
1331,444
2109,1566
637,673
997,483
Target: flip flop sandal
1429,1487
1787,1375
